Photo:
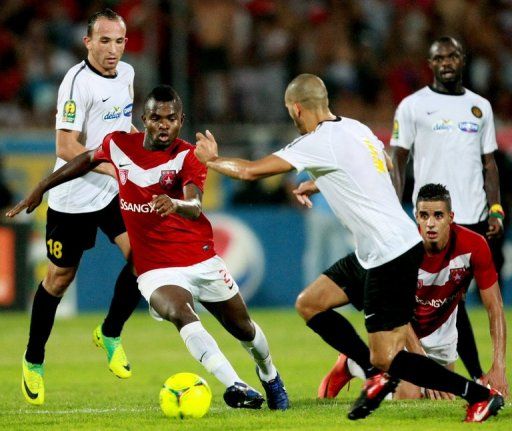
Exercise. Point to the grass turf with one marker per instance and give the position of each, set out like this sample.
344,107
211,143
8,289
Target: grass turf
81,394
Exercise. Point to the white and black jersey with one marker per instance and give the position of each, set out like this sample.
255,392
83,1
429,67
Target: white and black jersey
448,134
94,105
346,161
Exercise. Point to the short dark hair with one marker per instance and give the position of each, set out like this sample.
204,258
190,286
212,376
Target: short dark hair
434,192
447,40
164,93
105,13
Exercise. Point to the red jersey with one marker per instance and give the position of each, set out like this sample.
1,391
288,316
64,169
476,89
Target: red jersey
157,242
444,277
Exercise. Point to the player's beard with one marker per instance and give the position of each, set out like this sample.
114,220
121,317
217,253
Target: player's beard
155,144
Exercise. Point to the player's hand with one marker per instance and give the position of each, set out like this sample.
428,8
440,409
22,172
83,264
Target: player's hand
497,379
206,147
164,205
438,395
302,193
30,203
495,229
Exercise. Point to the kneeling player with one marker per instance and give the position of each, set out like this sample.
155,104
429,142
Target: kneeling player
453,256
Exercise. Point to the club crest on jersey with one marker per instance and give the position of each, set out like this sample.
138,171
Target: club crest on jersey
123,176
167,178
476,111
457,274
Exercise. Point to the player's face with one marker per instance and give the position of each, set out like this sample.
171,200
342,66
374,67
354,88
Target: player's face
106,45
299,123
446,62
434,221
163,121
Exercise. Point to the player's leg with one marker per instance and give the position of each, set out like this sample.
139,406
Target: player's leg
65,245
234,317
340,284
126,295
175,303
389,303
466,345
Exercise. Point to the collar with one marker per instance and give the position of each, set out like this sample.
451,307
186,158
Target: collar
97,72
447,94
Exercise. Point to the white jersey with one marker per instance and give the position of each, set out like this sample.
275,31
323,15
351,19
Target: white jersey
448,134
95,105
346,161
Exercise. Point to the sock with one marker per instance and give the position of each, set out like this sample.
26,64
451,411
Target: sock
259,350
339,333
355,370
425,372
44,308
466,345
203,347
125,300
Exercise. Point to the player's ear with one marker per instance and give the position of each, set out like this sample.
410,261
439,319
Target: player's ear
452,215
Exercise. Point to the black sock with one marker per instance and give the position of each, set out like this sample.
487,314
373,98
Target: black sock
339,333
125,300
427,373
44,308
466,345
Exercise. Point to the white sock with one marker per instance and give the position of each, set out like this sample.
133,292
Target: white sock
260,352
355,369
204,348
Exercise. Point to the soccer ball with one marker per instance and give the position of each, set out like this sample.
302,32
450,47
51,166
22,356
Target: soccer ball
185,395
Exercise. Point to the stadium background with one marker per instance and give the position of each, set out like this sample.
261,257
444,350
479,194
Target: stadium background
231,60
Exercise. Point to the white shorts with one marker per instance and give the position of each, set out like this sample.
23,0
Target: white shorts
207,281
441,345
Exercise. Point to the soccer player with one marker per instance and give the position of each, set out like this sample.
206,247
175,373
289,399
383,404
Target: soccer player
446,125
453,256
95,98
349,167
160,189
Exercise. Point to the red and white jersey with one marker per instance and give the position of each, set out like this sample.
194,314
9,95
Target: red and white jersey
444,277
157,242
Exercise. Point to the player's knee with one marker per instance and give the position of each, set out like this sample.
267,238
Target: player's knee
305,307
179,315
57,283
381,359
242,330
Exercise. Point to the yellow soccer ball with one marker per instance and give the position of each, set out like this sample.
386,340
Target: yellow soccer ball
185,395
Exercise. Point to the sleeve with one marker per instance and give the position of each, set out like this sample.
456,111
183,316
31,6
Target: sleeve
482,264
404,128
102,153
194,172
72,103
302,153
488,143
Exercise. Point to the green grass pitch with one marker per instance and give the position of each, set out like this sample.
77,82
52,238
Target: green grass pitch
81,394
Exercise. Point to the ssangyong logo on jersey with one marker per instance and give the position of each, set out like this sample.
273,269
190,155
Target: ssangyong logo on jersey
144,208
167,178
113,114
123,176
468,127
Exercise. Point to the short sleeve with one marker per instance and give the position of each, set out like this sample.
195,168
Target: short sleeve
301,154
488,143
72,103
102,153
194,172
404,128
483,265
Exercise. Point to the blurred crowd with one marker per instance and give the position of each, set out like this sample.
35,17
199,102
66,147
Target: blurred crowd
242,53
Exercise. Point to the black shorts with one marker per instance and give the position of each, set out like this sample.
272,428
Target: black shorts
385,293
69,235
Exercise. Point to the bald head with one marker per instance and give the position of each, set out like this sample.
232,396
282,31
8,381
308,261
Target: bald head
445,40
308,90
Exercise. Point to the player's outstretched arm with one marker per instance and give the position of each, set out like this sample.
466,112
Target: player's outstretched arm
493,303
304,191
189,207
77,167
207,153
